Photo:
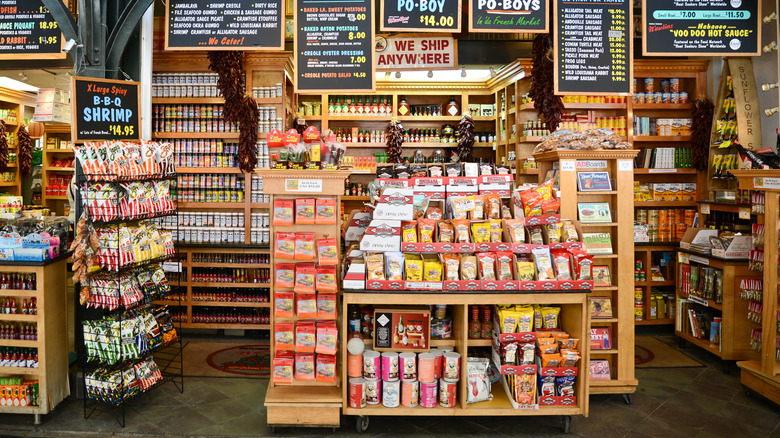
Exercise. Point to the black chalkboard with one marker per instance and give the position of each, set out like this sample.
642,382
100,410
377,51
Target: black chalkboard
420,15
28,31
105,109
220,25
594,47
504,16
334,45
711,28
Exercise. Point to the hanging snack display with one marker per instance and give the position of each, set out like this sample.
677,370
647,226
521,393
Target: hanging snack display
542,91
125,161
25,152
466,138
85,248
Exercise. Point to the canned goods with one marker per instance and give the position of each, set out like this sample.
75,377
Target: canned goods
451,366
649,85
372,365
683,97
438,365
408,365
674,85
410,393
448,393
390,371
373,391
426,367
428,394
357,392
391,394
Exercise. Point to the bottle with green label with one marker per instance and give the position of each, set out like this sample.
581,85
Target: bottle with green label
330,105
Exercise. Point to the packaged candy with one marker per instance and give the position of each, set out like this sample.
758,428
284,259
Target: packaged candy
283,212
550,317
561,264
375,266
306,305
468,267
304,246
516,230
547,385
326,278
432,269
327,252
487,265
409,232
446,232
283,304
414,267
544,268
525,268
305,277
284,246
304,211
493,206
394,266
504,264
285,275
451,266
427,230
461,230
496,232
326,211
481,232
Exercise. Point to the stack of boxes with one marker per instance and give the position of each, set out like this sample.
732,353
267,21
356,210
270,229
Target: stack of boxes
52,106
15,392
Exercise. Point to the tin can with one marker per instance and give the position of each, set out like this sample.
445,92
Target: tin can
357,392
641,216
373,391
410,393
639,98
448,393
649,85
674,85
675,97
683,97
372,364
451,366
666,98
408,365
426,367
658,97
355,365
428,394
391,394
638,294
438,355
390,371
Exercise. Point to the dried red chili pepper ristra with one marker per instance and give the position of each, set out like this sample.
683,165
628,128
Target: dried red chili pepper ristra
25,152
395,138
542,91
701,122
3,147
466,139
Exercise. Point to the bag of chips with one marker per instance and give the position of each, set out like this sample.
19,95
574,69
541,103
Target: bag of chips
427,229
468,267
487,265
451,266
414,267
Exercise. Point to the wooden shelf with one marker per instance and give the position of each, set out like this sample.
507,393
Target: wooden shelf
662,106
527,171
229,304
8,184
232,285
260,205
311,118
212,205
59,151
19,317
355,198
227,170
596,193
699,343
413,145
710,303
665,171
5,371
188,100
198,325
484,118
604,288
356,118
215,135
605,224
594,106
662,138
599,321
531,139
661,321
655,283
659,204
226,265
602,352
60,169
429,118
480,343
486,144
17,343
56,198
605,256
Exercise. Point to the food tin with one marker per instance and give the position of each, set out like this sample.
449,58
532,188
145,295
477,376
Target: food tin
391,394
357,392
410,393
451,366
390,366
373,391
408,365
428,394
448,393
426,367
355,365
438,363
372,365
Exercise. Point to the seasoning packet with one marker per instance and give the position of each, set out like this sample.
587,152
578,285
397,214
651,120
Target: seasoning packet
414,267
305,278
285,275
304,246
326,306
283,212
544,268
487,265
284,335
525,268
327,252
432,269
375,266
481,231
468,267
427,229
284,245
461,230
304,211
409,232
327,337
306,305
451,266
325,211
284,304
516,230
394,266
446,232
504,265
326,278
562,265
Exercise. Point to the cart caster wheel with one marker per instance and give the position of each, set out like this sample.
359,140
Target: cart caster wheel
361,424
627,398
566,424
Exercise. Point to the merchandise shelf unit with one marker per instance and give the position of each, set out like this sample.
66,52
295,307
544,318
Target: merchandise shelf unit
735,328
56,146
21,103
619,165
574,319
762,375
51,326
304,403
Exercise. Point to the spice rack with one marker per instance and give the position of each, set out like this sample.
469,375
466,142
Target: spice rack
619,165
762,374
304,403
50,322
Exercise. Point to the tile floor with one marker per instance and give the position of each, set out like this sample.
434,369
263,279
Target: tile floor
670,402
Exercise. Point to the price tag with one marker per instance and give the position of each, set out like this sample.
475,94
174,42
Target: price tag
662,170
698,300
702,260
303,185
705,209
744,213
420,15
568,166
29,31
171,266
625,165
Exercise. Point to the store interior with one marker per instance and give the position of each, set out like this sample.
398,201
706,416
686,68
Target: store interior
248,254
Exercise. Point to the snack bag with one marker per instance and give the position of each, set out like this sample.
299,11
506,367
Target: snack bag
394,266
525,319
496,231
550,317
375,266
554,233
516,229
461,230
284,246
283,212
446,232
468,267
536,235
326,278
583,263
305,277
493,206
409,232
487,265
284,304
285,275
479,208
569,232
327,252
504,265
544,268
525,268
481,232
427,230
451,266
304,211
325,211
561,264
434,213
432,270
414,267
304,246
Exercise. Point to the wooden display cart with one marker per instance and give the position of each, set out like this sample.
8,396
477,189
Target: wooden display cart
51,324
762,375
574,320
619,165
735,328
303,403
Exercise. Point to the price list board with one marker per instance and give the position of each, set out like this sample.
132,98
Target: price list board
334,46
236,25
504,16
701,28
28,31
105,109
421,15
594,47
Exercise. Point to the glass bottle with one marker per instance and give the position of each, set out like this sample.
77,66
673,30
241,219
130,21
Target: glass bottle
389,105
374,108
452,107
403,107
487,323
475,326
359,109
331,107
352,106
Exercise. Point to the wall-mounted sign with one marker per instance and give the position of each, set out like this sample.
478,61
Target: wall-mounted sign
499,16
105,109
28,31
420,15
701,28
416,53
594,47
334,46
234,25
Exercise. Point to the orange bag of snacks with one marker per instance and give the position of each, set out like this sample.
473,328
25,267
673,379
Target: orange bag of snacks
326,279
305,274
304,211
327,252
446,232
285,275
487,265
461,230
283,212
409,232
493,206
427,229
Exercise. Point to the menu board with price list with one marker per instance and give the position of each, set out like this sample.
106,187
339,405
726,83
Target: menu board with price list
334,45
701,28
594,47
500,16
28,31
235,25
420,15
105,109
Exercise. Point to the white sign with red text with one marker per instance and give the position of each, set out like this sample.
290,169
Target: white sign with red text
416,53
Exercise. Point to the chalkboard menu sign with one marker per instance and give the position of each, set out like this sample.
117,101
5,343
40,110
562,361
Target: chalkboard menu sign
105,109
594,47
421,15
28,31
503,16
234,25
334,45
707,28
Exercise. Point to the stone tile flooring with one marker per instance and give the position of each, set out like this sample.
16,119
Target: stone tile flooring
670,402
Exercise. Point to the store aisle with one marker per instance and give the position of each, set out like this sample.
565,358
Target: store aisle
670,402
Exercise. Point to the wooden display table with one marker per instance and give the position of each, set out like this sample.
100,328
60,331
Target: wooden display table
51,323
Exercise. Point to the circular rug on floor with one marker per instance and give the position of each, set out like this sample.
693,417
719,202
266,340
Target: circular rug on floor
247,360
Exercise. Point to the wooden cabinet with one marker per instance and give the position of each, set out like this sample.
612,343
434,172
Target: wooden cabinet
50,324
20,104
56,173
620,262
